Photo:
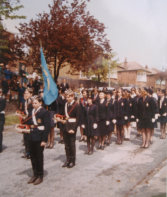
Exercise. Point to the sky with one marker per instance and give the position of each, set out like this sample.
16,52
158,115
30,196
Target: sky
137,29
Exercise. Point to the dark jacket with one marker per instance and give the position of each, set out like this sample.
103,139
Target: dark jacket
73,112
43,119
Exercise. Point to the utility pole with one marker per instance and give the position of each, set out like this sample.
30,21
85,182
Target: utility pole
109,74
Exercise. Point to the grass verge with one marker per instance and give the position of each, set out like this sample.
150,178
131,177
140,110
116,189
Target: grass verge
11,120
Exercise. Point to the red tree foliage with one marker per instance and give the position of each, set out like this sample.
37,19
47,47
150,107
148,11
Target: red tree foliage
69,34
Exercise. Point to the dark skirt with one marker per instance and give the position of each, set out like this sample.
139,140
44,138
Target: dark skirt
145,124
102,128
110,128
162,119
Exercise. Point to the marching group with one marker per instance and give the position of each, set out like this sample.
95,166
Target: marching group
98,114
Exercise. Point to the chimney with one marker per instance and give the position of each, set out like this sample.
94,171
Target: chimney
146,67
125,63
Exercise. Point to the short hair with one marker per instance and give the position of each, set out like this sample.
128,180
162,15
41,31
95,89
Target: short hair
38,98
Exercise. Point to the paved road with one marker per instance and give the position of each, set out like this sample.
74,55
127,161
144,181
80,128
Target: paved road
117,171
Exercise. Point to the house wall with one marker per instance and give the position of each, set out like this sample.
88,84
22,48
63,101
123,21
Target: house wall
127,78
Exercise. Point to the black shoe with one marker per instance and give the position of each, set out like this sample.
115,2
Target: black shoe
61,142
71,165
65,165
28,157
102,147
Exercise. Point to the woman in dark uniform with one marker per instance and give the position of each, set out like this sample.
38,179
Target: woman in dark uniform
128,113
89,123
146,117
120,115
38,138
102,119
110,116
82,104
162,106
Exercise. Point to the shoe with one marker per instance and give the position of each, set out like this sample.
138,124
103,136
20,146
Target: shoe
87,152
24,156
48,146
71,165
65,164
32,179
51,146
90,153
99,147
102,147
81,139
28,157
61,142
38,181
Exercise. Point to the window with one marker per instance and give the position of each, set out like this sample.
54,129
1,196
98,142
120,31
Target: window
141,76
160,82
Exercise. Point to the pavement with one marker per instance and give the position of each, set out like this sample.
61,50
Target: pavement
117,171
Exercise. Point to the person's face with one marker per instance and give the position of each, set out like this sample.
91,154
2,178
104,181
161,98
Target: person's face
144,93
108,96
84,94
36,104
119,93
41,94
27,94
89,101
101,95
69,98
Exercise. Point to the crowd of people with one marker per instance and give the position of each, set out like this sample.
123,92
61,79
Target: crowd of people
96,114
14,82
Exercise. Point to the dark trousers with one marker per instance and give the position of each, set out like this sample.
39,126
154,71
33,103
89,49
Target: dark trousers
70,148
26,143
36,155
2,122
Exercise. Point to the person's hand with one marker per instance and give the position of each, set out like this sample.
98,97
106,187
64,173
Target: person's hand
107,122
114,121
71,131
43,144
153,120
95,126
125,117
83,126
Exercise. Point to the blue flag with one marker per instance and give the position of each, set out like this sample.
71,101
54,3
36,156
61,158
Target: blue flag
50,87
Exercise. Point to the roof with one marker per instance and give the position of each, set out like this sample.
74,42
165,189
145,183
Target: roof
133,66
154,71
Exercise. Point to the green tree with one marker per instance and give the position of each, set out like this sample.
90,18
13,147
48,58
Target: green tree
102,67
7,11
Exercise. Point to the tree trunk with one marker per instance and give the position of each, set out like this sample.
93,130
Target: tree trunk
55,70
98,78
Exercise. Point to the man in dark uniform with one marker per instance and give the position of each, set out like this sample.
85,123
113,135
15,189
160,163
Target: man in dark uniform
70,128
39,129
2,117
27,111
